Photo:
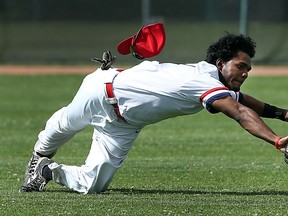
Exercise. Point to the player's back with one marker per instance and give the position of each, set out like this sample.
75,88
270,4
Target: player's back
151,91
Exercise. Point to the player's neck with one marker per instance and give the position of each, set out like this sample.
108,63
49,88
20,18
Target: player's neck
222,80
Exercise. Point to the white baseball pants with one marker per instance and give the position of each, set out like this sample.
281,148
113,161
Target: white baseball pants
111,141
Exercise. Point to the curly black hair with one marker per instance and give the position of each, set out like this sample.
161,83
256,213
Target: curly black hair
228,46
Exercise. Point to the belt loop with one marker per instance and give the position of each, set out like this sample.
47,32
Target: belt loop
111,99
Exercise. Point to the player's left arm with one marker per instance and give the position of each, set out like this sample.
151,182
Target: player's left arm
264,109
249,120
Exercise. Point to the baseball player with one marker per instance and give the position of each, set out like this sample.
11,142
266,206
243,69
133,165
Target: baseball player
118,104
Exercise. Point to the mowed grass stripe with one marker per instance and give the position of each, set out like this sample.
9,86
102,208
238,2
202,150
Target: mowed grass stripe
193,165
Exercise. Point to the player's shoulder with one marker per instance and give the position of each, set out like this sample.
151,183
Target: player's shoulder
204,66
201,67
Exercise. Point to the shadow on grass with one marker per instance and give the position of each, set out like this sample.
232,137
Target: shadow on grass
195,192
133,191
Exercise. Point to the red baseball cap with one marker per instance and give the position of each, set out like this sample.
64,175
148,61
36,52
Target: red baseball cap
147,42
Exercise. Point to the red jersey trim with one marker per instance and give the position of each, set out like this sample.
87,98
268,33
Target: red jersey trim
210,91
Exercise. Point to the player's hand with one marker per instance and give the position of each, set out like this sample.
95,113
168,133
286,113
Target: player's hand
286,117
283,144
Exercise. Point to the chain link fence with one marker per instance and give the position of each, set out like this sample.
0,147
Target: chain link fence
73,31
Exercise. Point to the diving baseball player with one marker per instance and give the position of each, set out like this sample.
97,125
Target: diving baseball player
118,104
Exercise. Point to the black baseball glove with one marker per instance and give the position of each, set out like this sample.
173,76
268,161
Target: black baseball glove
286,154
106,61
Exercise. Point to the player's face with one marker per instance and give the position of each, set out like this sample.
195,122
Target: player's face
236,70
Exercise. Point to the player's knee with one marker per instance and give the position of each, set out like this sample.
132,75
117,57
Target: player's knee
104,177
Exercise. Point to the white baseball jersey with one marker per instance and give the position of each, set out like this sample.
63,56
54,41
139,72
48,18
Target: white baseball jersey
151,91
146,93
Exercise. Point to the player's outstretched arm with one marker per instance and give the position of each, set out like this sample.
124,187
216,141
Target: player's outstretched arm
249,120
264,109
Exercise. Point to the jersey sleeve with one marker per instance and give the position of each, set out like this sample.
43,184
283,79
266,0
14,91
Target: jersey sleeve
214,94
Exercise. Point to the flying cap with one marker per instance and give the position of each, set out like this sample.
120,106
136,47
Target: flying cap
147,42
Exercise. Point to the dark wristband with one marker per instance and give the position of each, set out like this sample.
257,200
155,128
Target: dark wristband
274,112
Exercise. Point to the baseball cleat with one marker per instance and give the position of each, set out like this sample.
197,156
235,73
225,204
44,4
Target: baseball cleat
30,169
37,182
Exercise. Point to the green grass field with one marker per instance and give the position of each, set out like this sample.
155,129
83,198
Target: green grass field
197,165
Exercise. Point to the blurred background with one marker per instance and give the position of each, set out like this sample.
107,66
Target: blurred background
72,31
